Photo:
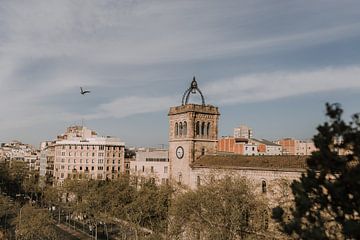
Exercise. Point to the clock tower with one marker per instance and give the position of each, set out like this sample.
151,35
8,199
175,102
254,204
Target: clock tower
193,132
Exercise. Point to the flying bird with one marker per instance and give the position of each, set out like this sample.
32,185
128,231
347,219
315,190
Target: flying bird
84,92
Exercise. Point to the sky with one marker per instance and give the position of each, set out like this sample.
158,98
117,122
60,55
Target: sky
271,65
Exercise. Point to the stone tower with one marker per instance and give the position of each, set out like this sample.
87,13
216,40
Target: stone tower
193,132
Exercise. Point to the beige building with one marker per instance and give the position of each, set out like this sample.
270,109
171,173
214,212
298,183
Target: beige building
297,147
151,163
81,153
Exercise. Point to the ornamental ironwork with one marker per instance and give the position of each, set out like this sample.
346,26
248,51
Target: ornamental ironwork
193,89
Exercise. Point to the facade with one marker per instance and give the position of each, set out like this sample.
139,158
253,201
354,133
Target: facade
266,147
151,163
18,151
47,160
243,132
250,147
296,147
81,153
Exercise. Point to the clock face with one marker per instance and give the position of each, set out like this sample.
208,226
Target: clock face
180,152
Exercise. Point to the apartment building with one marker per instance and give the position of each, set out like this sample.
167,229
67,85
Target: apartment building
297,147
151,163
18,151
81,153
249,147
266,147
243,132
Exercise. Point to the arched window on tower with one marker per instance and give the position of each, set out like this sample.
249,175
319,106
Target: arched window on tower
180,178
197,128
208,130
202,129
176,129
180,128
263,186
185,129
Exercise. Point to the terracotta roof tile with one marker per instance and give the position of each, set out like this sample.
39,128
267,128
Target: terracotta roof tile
236,161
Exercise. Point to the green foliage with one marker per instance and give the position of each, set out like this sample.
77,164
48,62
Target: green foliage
136,207
327,197
7,212
33,223
223,209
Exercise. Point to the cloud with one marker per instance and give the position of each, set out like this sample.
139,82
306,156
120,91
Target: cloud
281,84
127,106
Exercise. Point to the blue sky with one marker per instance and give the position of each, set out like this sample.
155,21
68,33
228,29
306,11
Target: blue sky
269,64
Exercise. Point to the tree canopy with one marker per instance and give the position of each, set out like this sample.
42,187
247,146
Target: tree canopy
327,196
223,209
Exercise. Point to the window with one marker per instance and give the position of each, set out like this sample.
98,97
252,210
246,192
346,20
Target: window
176,129
180,128
265,220
202,129
263,186
92,168
135,168
143,168
197,127
152,169
165,169
208,130
180,178
198,181
185,129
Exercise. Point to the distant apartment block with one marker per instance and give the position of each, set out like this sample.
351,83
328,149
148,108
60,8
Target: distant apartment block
151,163
243,132
18,151
47,160
296,147
250,147
81,153
266,147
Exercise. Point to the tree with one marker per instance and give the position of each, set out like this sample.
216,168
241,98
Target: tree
34,223
7,212
327,196
223,209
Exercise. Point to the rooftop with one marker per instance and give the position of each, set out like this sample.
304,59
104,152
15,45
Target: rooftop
236,161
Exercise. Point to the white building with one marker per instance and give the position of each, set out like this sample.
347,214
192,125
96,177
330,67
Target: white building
266,147
151,163
17,151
